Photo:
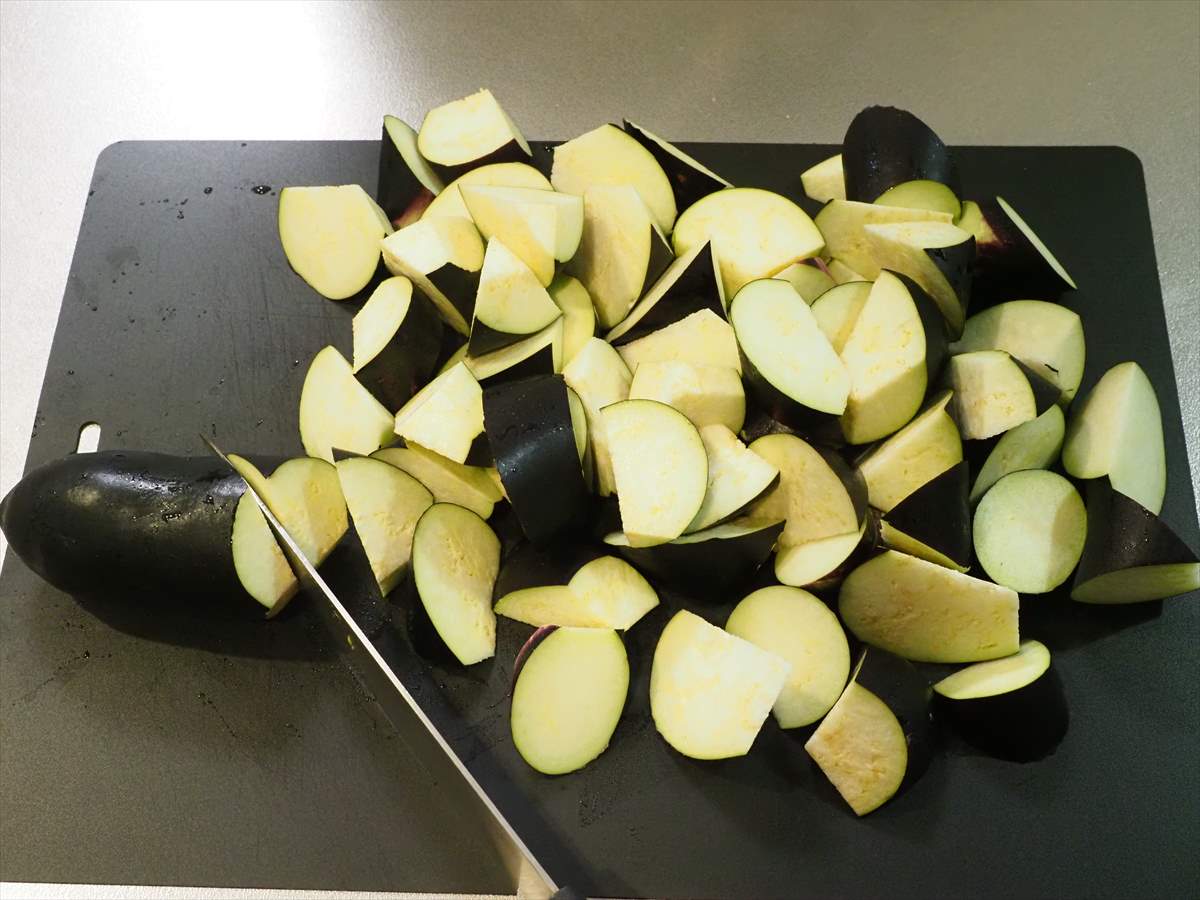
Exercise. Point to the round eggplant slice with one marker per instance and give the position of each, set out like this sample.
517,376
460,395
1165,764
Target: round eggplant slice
885,147
397,341
568,694
690,179
1032,445
917,453
660,468
331,237
1029,531
690,283
455,560
786,359
934,521
407,183
754,233
926,612
465,134
709,690
530,431
1131,555
1012,707
797,627
705,563
1012,257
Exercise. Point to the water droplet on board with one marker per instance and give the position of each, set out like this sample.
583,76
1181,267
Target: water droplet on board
208,190
261,189
179,215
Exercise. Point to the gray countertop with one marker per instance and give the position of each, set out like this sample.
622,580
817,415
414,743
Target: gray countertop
76,77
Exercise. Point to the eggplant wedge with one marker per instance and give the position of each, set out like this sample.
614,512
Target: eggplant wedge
511,303
810,282
330,236
707,395
800,628
569,688
1035,444
468,133
337,412
540,353
1045,336
442,257
737,476
705,563
994,392
608,157
787,361
407,183
532,437
132,522
1013,707
711,691
876,740
920,451
397,342
605,592
1029,531
934,521
885,146
599,377
926,612
843,225
703,338
1131,555
541,227
838,309
579,316
1116,431
937,256
511,174
754,234
1012,258
471,487
825,181
690,179
692,282
922,194
445,416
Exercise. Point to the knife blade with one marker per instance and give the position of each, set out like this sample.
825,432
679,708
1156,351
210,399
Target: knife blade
530,878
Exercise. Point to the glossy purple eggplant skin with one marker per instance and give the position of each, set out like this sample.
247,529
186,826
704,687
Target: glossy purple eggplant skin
695,289
905,692
528,427
938,514
130,522
1009,263
1023,725
510,151
399,193
885,146
937,340
485,339
1045,394
688,183
1123,534
409,358
957,265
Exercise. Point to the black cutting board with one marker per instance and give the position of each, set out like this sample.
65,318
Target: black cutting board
152,744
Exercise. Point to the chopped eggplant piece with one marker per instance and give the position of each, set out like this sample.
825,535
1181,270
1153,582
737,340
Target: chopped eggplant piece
690,179
788,362
690,283
838,309
920,451
1032,445
843,225
703,338
261,567
809,281
468,486
1131,555
511,303
397,341
926,612
568,693
707,395
922,194
455,560
825,181
579,316
331,237
660,468
407,183
709,690
1117,431
338,412
513,174
737,477
442,257
468,133
754,233
934,521
526,229
799,628
885,146
1012,257
600,378
445,416
842,273
817,563
993,392
540,353
608,157
935,255
604,593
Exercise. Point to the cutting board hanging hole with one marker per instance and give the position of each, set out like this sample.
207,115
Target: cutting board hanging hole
89,438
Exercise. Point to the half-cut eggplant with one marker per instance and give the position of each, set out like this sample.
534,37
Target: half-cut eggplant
703,338
754,233
455,560
445,416
579,316
994,392
934,521
737,477
709,690
876,740
825,181
920,451
1032,445
707,395
331,236
442,257
709,562
608,157
532,438
799,628
449,482
599,377
511,303
1131,555
407,184
788,363
338,412
1011,257
397,341
1012,707
885,146
690,179
691,283
926,612
1045,336
468,133
1117,431
511,174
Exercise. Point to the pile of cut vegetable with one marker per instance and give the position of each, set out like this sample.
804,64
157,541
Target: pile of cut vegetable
693,387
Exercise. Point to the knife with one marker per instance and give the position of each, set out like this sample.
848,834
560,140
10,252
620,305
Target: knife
529,876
